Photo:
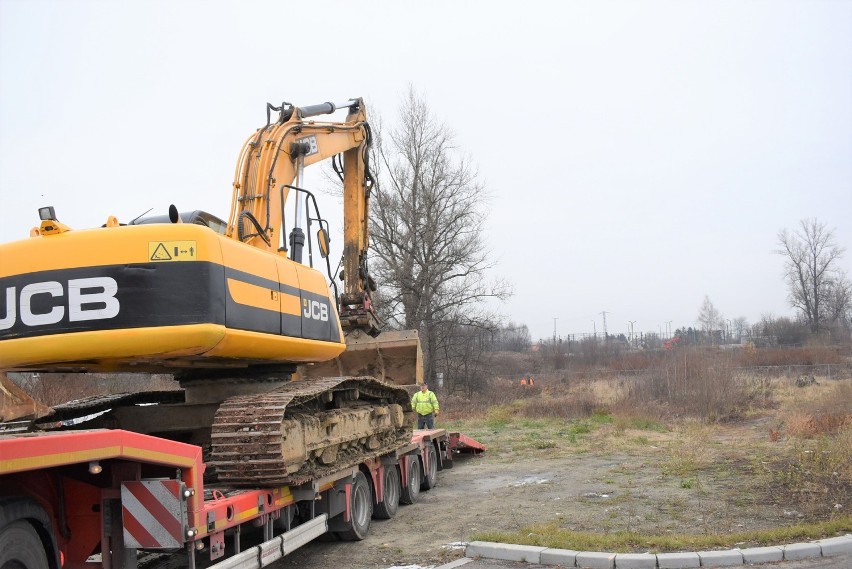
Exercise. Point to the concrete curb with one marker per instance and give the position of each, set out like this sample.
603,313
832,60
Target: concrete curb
601,560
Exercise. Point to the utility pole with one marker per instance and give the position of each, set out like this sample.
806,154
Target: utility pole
632,322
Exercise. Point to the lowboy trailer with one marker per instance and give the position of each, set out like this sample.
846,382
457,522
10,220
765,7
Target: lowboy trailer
98,498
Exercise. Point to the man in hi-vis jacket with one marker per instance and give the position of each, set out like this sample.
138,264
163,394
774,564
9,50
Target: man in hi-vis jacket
425,404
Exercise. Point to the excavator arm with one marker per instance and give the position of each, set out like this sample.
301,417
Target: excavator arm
271,167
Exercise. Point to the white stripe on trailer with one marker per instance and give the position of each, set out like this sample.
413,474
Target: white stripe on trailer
147,520
165,495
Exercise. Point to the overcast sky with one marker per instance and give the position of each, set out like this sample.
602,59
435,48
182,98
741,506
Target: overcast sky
637,155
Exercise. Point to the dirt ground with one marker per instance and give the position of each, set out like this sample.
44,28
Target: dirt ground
656,483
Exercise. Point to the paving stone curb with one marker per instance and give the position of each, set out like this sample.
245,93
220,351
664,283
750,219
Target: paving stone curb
763,554
601,560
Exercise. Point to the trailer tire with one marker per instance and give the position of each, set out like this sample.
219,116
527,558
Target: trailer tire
387,508
360,510
21,548
411,492
430,473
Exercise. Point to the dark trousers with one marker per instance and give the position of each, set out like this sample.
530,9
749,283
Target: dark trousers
425,421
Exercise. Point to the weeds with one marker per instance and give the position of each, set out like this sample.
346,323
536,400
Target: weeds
830,411
638,423
816,476
680,463
798,459
697,381
499,416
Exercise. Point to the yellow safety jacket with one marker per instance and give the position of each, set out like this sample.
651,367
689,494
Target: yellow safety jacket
424,403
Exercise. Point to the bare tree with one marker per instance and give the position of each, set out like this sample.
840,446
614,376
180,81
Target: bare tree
512,337
426,231
740,326
781,331
462,353
813,278
839,303
710,319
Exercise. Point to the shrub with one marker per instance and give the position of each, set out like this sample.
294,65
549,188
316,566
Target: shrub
695,381
831,412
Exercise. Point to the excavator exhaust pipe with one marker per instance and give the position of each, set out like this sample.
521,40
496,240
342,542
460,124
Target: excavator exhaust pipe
393,357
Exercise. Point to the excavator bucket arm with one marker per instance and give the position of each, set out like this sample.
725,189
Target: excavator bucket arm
392,357
16,404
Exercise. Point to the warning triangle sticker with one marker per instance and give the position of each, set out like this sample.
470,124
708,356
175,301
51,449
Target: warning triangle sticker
160,254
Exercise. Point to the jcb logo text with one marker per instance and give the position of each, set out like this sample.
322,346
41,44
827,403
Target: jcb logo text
40,304
315,310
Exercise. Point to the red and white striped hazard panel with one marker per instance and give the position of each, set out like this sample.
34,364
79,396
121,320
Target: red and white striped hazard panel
154,513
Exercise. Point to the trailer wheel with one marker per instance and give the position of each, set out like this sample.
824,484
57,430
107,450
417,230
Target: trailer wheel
430,473
411,492
386,509
21,548
360,509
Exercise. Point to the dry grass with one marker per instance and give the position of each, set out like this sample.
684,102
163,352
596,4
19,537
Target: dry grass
810,468
793,444
695,382
814,476
790,356
707,427
821,409
690,382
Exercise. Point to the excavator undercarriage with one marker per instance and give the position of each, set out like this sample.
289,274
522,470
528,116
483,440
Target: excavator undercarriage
303,429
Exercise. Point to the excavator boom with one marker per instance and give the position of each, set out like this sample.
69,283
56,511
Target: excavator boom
276,155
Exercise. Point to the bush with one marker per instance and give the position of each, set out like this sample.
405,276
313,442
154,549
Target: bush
694,381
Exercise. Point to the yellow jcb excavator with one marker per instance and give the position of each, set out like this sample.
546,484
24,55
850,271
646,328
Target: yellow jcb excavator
283,376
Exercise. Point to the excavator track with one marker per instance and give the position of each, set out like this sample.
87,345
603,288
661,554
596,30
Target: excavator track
306,429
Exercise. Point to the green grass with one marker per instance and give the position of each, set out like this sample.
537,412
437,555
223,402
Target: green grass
681,462
638,423
551,535
601,417
644,424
